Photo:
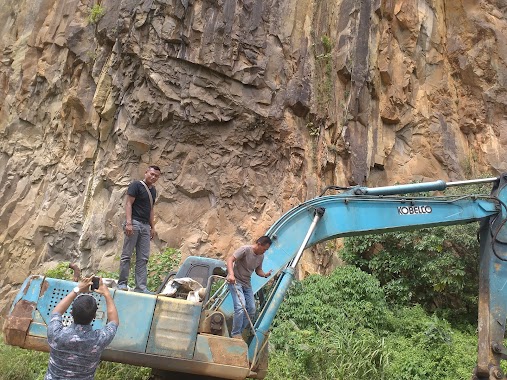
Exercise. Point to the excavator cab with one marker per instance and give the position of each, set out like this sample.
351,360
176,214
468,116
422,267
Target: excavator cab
199,269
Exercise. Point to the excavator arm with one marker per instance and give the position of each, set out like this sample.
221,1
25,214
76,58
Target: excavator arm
360,211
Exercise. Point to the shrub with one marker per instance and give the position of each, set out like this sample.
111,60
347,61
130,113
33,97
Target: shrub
118,371
96,13
160,265
328,329
61,271
334,354
424,347
347,296
20,364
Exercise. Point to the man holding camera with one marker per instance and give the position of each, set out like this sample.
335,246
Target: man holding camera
75,350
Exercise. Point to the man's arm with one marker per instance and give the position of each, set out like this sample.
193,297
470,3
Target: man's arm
112,313
152,223
261,273
230,269
63,305
128,214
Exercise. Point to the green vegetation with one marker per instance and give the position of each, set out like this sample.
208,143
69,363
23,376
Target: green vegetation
96,13
117,371
435,267
324,73
160,265
19,364
336,337
348,330
61,271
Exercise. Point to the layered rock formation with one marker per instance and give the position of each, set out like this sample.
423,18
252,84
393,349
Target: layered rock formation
249,107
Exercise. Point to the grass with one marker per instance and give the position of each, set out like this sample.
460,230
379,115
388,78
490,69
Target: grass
20,364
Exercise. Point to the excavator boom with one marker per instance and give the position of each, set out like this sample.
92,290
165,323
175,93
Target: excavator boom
360,211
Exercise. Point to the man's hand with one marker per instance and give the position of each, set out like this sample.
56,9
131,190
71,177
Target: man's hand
128,229
152,233
231,279
103,289
84,284
266,275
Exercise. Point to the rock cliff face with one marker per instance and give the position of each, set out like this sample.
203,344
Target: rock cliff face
249,107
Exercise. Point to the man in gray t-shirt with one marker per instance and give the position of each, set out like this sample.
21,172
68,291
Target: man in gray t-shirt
240,266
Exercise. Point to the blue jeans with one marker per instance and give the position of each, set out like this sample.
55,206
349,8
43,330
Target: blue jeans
240,319
140,240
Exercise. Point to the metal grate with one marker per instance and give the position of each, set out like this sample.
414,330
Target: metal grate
59,294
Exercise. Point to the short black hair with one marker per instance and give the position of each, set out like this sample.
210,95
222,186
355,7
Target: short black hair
84,309
155,167
264,240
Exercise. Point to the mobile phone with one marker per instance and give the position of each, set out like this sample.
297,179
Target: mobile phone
95,283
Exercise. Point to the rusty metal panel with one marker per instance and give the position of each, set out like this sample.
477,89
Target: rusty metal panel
15,329
184,366
38,327
174,328
16,325
221,350
36,343
29,291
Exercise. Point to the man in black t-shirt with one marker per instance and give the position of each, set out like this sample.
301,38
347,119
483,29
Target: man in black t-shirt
139,229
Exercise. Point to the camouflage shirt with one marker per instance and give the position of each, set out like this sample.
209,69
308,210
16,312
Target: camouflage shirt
75,350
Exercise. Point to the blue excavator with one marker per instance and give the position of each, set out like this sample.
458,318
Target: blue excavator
188,338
